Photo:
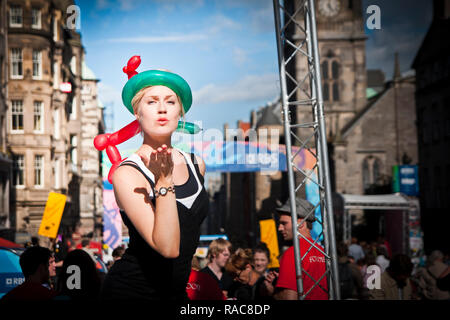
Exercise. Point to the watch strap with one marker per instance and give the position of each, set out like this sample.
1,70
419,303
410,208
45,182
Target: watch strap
168,189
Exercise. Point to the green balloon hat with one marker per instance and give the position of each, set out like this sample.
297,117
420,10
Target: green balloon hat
137,81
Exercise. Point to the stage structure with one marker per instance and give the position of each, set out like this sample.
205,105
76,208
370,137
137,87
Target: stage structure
296,36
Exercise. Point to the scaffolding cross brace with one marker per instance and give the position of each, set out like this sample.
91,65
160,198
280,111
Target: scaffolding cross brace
299,15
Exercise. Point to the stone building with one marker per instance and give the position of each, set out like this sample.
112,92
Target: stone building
432,65
91,206
44,127
5,159
369,128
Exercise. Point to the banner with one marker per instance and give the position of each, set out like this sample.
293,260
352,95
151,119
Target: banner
405,179
241,156
112,221
268,232
312,192
51,218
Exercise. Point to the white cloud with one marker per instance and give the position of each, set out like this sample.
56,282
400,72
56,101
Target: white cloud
262,20
239,56
124,5
102,4
162,39
218,23
221,23
249,88
127,5
108,94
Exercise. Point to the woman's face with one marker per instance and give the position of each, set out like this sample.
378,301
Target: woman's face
158,111
244,276
261,262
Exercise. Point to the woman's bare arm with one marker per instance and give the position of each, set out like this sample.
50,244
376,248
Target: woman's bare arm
159,226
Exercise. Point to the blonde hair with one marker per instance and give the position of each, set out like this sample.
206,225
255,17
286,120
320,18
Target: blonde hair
218,246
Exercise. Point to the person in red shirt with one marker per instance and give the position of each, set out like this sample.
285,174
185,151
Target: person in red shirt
201,286
34,262
313,264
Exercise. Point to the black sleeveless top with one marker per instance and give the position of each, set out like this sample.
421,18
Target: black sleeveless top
143,273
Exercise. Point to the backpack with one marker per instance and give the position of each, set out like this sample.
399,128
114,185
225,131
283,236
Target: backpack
345,280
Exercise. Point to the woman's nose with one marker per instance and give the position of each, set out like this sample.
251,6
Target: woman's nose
162,108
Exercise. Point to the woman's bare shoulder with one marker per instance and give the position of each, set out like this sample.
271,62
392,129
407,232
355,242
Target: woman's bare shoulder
124,175
126,181
201,164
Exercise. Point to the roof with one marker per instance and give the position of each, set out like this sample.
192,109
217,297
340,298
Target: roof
394,201
372,98
87,73
354,121
268,116
370,93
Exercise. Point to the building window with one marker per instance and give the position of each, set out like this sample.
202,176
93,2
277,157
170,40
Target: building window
73,110
366,174
55,29
55,75
39,171
73,152
18,170
73,65
57,173
35,18
17,115
15,16
38,116
16,63
376,170
56,124
37,64
330,78
371,172
85,90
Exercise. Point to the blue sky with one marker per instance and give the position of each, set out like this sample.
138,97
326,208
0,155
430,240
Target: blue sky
225,49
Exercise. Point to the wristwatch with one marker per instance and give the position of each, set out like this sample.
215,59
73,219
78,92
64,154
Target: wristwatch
163,191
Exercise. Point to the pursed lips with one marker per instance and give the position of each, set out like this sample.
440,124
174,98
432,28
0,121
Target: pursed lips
162,121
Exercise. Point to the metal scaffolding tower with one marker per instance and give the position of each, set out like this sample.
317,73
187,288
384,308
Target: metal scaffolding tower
301,94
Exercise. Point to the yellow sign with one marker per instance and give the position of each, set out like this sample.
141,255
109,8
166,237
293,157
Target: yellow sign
52,215
269,237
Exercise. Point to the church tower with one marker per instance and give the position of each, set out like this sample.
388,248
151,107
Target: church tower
341,39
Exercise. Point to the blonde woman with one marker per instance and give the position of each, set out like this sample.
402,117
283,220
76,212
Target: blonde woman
159,190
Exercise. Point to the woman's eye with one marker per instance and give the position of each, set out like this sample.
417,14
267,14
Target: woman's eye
171,102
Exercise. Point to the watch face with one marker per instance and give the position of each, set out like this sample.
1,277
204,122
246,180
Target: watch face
329,8
162,191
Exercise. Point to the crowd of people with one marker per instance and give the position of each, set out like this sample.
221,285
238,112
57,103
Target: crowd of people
243,274
399,279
